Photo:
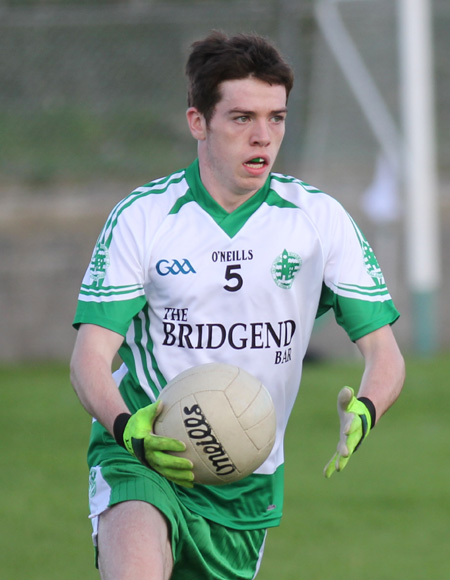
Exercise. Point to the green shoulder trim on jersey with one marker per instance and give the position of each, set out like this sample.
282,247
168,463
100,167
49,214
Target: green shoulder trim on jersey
360,316
100,258
188,197
155,187
275,200
289,179
232,222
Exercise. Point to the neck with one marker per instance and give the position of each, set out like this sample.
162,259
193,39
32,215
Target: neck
227,198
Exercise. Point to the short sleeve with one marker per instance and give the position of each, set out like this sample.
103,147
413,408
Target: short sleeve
112,290
354,285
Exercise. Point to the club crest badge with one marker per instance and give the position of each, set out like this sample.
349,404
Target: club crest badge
99,263
371,263
284,268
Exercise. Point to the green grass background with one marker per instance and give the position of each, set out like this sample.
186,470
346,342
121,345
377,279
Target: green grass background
385,517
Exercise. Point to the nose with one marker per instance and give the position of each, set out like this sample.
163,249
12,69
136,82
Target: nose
260,135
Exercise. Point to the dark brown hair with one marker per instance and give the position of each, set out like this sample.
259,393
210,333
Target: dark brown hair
219,58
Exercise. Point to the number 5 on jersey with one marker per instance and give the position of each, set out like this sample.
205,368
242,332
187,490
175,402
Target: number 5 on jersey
235,280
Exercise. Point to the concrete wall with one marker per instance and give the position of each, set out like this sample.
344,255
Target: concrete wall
46,240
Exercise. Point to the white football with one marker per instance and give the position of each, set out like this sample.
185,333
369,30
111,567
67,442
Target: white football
224,415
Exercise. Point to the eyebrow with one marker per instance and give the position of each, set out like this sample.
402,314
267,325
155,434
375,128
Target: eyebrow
244,112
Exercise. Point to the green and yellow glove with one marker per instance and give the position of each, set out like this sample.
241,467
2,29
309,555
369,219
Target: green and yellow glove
357,417
134,432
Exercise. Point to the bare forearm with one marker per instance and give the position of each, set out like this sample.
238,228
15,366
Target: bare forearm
92,378
384,372
98,394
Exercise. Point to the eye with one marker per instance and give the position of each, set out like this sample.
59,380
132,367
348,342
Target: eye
242,119
278,119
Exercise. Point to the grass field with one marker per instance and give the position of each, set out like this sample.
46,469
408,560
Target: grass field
385,517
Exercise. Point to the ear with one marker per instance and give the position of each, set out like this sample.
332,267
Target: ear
197,124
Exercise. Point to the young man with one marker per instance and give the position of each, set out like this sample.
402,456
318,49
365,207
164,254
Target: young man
221,262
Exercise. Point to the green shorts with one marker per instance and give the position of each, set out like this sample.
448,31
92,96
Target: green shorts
201,548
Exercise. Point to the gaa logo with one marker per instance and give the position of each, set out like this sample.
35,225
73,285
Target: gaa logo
164,267
284,268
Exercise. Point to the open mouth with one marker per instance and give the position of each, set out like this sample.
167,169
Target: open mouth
256,163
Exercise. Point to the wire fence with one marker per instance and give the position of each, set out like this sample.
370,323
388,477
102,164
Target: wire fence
88,91
92,104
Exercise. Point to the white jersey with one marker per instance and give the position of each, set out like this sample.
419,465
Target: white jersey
186,283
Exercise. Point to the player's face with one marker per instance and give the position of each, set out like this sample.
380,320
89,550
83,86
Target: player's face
238,148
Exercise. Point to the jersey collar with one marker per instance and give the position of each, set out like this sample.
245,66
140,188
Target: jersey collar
232,222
